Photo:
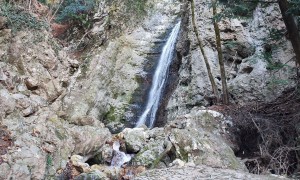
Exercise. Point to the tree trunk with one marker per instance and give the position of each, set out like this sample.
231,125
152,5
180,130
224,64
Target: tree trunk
291,28
211,78
220,55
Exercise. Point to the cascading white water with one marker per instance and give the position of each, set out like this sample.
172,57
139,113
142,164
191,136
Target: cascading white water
159,79
119,157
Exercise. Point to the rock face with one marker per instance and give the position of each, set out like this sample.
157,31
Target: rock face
190,147
52,104
114,72
250,53
34,71
193,138
199,172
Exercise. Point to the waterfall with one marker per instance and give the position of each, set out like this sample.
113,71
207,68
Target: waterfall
159,79
119,157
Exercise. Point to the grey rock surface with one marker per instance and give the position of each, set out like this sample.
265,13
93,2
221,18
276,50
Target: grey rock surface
199,172
247,62
53,104
193,138
115,71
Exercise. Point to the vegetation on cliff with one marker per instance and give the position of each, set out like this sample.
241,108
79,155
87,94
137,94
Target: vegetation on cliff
266,131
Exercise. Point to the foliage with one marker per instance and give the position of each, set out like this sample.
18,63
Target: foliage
275,35
136,6
295,10
43,1
19,19
278,81
294,7
127,10
76,12
231,44
49,160
79,13
236,8
273,41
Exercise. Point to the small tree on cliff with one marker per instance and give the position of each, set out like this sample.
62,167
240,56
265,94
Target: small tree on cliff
225,96
200,44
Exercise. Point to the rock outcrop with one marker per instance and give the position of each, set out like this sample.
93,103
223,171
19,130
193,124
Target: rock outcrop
114,77
250,52
200,172
53,105
193,138
34,71
191,146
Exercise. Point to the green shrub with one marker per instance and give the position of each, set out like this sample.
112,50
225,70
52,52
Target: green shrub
76,12
19,19
276,35
136,7
43,1
236,8
231,44
294,7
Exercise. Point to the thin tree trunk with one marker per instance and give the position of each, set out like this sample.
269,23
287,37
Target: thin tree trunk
211,78
220,55
291,28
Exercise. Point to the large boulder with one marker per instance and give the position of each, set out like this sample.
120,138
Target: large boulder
193,138
44,142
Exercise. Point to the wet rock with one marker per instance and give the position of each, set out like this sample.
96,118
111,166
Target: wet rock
192,138
79,163
152,149
134,139
115,127
119,157
106,154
